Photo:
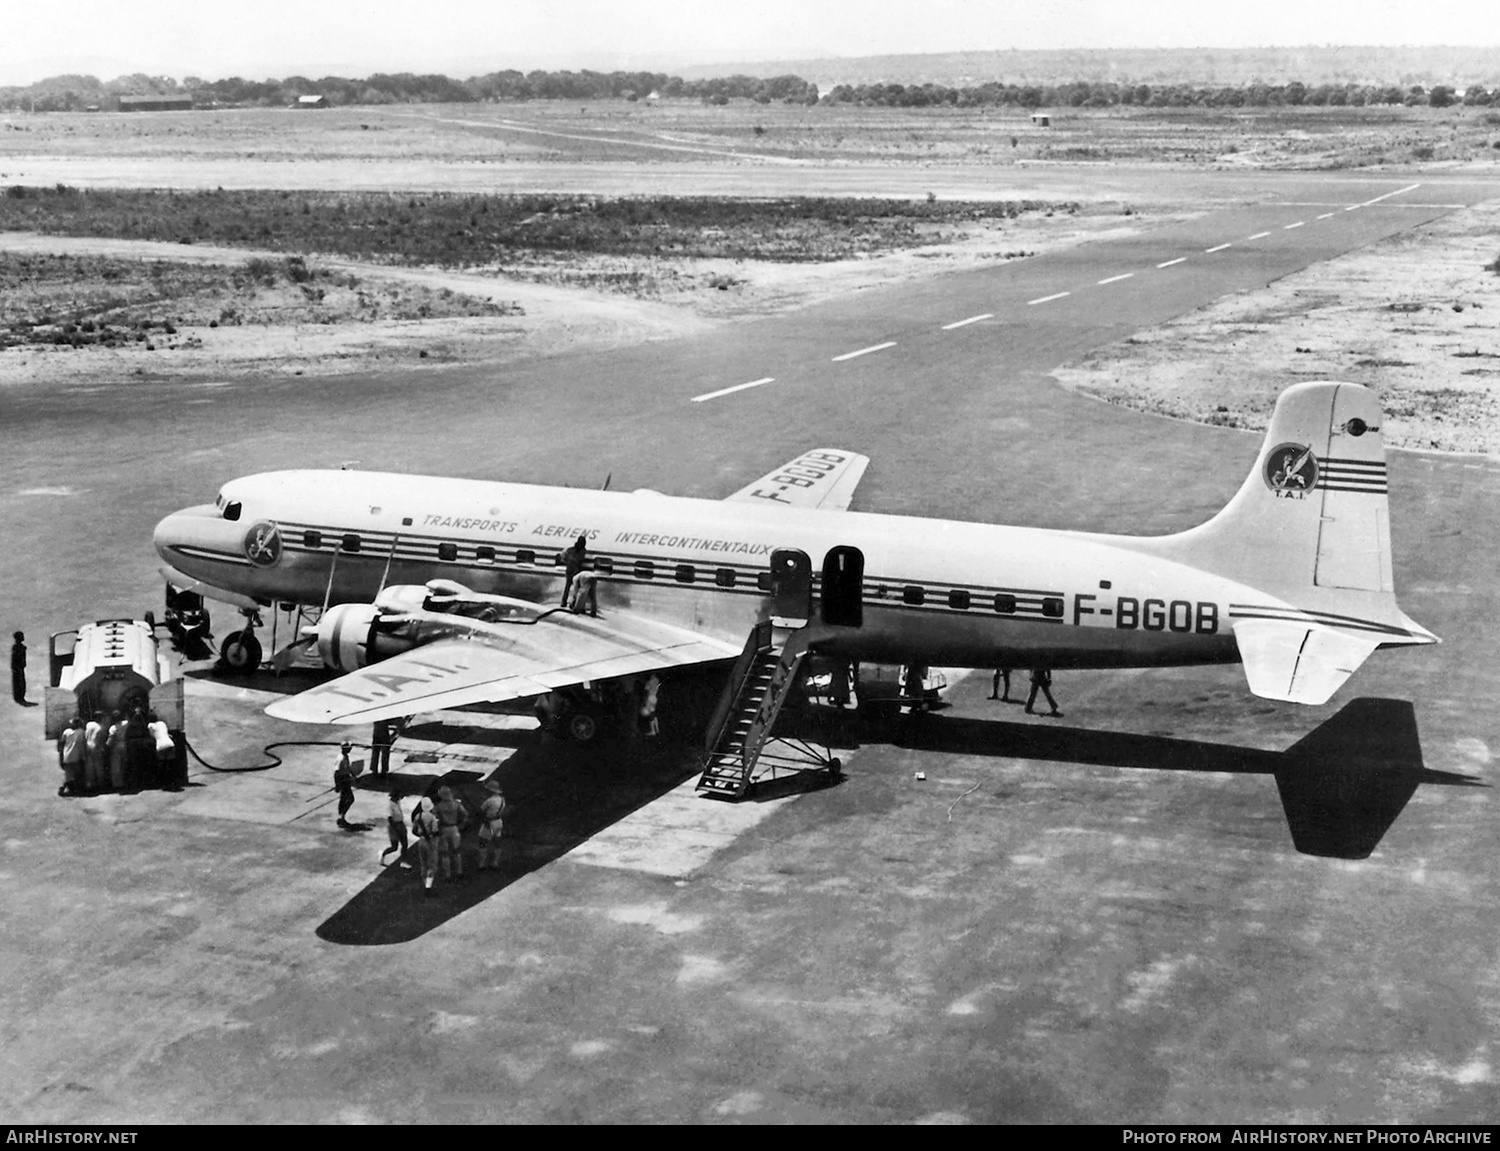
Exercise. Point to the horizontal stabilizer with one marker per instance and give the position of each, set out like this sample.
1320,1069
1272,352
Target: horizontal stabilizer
1298,662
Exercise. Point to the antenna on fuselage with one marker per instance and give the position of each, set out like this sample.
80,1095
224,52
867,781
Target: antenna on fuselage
607,478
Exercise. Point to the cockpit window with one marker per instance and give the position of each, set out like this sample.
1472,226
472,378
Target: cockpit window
232,510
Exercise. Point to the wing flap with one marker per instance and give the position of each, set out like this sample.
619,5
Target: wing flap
507,662
822,478
1297,662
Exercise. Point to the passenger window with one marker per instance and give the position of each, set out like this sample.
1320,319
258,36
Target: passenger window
448,552
724,577
959,599
351,542
645,569
763,580
1052,607
1005,604
913,595
604,565
232,510
526,557
312,540
685,573
484,554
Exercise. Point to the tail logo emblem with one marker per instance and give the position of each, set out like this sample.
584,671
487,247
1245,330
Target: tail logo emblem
1291,471
263,544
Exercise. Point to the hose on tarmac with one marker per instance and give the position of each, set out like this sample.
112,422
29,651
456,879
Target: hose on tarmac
275,759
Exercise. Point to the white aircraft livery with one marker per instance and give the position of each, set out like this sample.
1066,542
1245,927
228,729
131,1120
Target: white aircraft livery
439,593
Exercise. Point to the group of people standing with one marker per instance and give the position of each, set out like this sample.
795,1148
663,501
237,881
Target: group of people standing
1041,682
124,754
437,823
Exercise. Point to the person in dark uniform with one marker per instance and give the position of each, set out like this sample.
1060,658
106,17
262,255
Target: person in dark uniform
1002,677
573,561
380,748
1041,681
343,783
18,668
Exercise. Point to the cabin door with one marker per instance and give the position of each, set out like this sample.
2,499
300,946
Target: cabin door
791,587
843,587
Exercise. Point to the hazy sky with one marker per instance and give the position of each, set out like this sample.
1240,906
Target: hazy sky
277,38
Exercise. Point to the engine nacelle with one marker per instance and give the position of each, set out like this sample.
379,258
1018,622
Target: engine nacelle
352,635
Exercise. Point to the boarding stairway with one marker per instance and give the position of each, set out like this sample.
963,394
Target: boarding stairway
763,680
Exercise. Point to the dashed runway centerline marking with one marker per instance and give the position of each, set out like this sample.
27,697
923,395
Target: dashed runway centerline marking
970,320
736,388
865,351
1047,299
1387,196
1289,227
1325,215
1169,263
1121,276
1258,236
1220,248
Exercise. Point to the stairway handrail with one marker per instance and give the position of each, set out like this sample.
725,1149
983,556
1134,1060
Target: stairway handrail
758,641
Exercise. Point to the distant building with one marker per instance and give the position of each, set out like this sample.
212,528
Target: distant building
1041,119
311,102
156,103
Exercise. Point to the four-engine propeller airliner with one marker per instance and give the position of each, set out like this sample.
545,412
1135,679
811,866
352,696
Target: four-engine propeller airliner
440,592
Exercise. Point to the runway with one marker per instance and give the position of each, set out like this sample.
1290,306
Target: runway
1098,920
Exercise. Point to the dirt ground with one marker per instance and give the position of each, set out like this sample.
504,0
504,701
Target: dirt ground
1412,317
541,311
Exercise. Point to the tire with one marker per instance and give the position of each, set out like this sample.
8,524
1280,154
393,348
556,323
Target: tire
582,727
240,653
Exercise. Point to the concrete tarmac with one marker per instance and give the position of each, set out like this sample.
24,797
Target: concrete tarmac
1098,918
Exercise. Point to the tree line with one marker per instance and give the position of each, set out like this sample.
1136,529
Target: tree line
76,93
1109,94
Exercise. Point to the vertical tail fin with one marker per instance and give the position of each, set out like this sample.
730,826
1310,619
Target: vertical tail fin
1308,534
1313,510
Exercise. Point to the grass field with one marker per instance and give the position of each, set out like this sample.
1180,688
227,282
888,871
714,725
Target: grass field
618,132
469,231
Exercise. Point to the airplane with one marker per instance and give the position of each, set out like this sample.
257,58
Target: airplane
440,593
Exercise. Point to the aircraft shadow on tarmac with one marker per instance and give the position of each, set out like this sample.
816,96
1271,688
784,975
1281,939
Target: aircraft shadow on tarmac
1341,786
559,795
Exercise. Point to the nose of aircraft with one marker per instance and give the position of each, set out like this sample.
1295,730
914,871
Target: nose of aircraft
188,538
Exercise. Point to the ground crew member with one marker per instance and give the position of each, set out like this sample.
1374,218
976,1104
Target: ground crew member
94,753
70,754
492,824
451,817
585,590
140,756
649,723
119,729
380,748
573,561
166,750
1002,676
395,825
343,783
1041,681
916,688
18,668
425,825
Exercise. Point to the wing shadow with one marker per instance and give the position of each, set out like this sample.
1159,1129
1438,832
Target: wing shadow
559,794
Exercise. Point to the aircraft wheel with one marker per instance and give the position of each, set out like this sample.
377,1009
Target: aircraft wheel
582,727
240,653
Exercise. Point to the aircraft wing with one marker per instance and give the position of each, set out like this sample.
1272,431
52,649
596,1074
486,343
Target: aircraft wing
558,650
1297,662
821,478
